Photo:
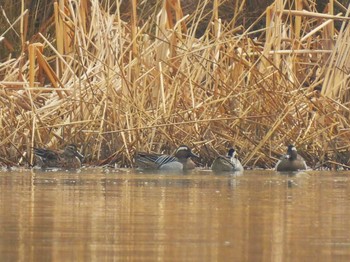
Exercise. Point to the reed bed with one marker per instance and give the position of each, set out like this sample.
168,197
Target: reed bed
114,88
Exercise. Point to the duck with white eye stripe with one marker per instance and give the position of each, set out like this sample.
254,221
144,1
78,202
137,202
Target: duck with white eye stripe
181,160
291,161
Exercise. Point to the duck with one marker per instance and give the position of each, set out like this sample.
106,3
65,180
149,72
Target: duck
227,163
69,157
291,161
180,161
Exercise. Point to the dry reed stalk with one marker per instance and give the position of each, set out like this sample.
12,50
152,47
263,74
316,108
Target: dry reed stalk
340,5
313,14
334,75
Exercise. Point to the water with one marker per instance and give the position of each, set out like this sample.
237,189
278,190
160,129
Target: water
95,215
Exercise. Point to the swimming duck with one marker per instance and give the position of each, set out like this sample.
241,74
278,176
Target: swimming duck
69,158
227,163
181,160
292,161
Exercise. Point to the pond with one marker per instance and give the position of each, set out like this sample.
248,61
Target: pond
104,215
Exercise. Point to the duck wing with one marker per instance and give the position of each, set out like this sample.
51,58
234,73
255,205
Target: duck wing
147,160
46,154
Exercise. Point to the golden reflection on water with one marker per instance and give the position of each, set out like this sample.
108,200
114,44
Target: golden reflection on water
97,216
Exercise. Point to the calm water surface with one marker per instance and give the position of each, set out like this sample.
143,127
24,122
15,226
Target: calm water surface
95,215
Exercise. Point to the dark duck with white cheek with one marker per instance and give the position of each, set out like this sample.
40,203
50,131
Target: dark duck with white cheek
292,161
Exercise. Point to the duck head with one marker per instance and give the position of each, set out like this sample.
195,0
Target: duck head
292,152
184,151
231,153
72,151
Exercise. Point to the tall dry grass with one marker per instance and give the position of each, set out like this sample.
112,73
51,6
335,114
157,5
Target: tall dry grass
114,88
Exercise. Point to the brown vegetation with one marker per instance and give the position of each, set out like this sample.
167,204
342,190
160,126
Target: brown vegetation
114,87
